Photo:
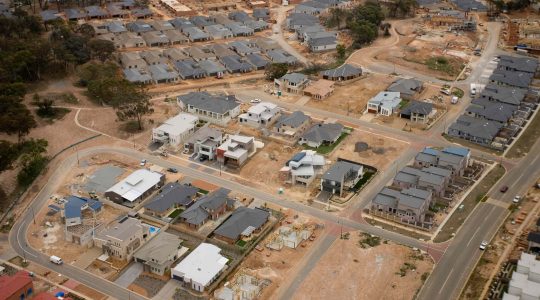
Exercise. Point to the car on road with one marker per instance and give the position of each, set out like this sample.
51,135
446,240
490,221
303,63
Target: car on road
503,189
172,170
483,245
516,199
55,259
454,100
255,101
143,162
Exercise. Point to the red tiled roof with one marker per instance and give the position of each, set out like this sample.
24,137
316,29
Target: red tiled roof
9,285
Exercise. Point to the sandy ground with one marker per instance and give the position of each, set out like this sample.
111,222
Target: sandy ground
353,97
373,156
347,271
278,266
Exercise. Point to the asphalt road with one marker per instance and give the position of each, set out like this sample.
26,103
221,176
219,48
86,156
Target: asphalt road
450,275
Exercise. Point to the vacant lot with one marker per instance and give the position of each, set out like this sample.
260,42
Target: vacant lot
469,203
352,98
348,271
381,151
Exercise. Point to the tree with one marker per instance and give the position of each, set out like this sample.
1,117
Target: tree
276,70
101,49
32,165
45,106
93,71
340,49
8,154
363,32
135,107
15,118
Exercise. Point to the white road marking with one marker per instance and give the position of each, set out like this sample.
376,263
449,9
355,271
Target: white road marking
449,275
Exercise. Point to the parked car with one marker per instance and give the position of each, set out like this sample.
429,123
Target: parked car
255,101
445,91
203,158
172,170
483,245
516,199
454,100
143,162
503,189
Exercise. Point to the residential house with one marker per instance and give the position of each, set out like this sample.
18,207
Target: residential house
135,187
265,44
222,19
410,205
201,21
260,115
321,44
503,94
99,27
161,25
257,25
209,207
199,53
129,40
153,57
292,125
292,82
487,110
201,267
116,11
139,27
221,50
407,88
320,89
122,238
132,60
311,7
342,175
96,12
261,14
181,23
175,130
171,197
455,159
175,37
49,15
195,34
218,32
417,111
212,67
342,73
384,103
432,178
17,286
155,39
302,33
74,14
298,20
478,131
239,29
518,64
511,78
239,16
189,69
116,27
321,134
137,76
533,238
162,73
175,55
302,168
177,8
525,281
280,56
159,253
235,151
218,109
257,61
75,207
242,223
141,13
205,141
242,48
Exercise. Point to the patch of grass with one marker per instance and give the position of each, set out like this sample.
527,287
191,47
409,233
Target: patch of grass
424,276
69,98
175,213
527,139
131,126
55,113
325,149
203,191
458,92
367,175
469,203
399,230
369,241
442,64
241,243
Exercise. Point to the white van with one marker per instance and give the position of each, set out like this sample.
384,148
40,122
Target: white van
55,259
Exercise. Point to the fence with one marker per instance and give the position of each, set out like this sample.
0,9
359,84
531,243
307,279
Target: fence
397,219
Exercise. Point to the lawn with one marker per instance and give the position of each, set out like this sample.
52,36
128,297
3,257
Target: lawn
325,149
175,213
527,139
469,203
241,243
367,176
204,192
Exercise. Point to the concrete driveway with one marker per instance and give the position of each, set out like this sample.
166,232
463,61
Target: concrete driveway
130,274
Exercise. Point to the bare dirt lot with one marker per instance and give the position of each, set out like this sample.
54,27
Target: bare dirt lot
352,98
347,271
381,153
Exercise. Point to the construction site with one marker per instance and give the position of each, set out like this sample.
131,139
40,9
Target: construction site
523,34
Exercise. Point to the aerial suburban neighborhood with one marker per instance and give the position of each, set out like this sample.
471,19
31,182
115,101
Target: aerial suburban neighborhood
270,149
